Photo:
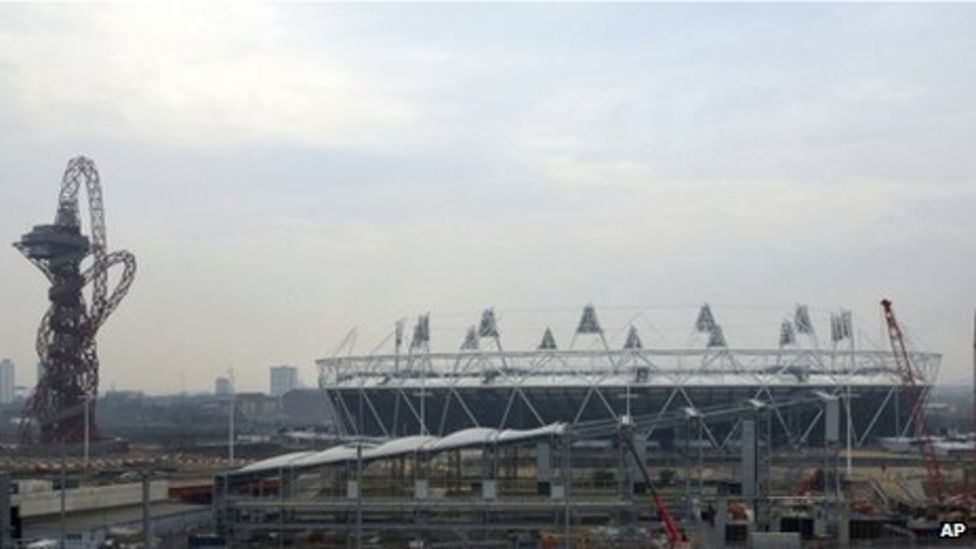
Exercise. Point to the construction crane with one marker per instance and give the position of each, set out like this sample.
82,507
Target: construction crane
812,481
913,393
62,404
670,526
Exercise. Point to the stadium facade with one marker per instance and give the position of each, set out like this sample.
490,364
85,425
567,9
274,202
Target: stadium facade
416,391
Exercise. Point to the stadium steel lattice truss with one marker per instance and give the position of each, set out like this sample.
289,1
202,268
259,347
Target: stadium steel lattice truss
416,391
62,404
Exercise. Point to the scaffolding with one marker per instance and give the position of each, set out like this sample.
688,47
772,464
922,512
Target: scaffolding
567,483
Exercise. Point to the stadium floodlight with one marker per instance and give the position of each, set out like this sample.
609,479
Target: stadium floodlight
421,333
802,320
633,340
488,326
548,341
705,322
470,340
786,334
716,338
588,323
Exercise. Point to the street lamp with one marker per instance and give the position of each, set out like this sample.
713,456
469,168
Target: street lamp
88,401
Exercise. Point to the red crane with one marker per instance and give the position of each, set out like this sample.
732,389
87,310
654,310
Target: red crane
974,385
913,395
670,526
810,482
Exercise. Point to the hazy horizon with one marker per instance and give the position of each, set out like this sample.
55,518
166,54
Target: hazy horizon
284,173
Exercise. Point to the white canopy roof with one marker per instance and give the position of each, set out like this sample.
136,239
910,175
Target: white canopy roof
332,455
400,446
467,438
275,462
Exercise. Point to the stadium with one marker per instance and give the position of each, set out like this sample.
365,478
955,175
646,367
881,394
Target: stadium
414,390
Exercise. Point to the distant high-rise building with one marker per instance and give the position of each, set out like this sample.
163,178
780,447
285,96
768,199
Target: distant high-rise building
8,388
223,386
283,379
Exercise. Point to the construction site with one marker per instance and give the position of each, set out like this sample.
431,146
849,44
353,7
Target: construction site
819,441
707,447
430,275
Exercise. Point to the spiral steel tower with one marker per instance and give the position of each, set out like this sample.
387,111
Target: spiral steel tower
68,380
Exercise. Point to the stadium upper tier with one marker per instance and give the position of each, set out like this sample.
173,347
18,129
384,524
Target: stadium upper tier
658,367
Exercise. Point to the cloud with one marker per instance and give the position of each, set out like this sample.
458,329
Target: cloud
286,172
200,76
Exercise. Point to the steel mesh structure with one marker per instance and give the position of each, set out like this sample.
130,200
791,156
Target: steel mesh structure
68,383
482,385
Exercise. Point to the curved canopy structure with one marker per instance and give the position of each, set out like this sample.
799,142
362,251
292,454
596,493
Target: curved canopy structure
402,446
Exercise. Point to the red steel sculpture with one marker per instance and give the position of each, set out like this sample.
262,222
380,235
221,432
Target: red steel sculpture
68,378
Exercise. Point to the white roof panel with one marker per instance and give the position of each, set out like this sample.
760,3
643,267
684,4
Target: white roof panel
275,462
475,436
398,446
468,437
335,454
511,435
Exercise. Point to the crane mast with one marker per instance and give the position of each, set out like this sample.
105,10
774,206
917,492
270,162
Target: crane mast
670,526
913,395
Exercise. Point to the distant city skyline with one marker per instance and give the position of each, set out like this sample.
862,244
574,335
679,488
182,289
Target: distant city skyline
286,173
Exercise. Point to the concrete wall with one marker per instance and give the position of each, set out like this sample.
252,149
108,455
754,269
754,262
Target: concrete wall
170,531
32,485
775,540
36,504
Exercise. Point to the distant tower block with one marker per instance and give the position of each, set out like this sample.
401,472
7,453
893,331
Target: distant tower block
8,388
68,379
223,386
283,379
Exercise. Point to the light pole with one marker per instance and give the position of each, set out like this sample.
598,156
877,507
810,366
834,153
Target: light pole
850,420
146,511
762,462
692,417
88,399
63,481
359,495
230,420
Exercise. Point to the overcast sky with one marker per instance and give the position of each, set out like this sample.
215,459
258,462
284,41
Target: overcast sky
285,173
